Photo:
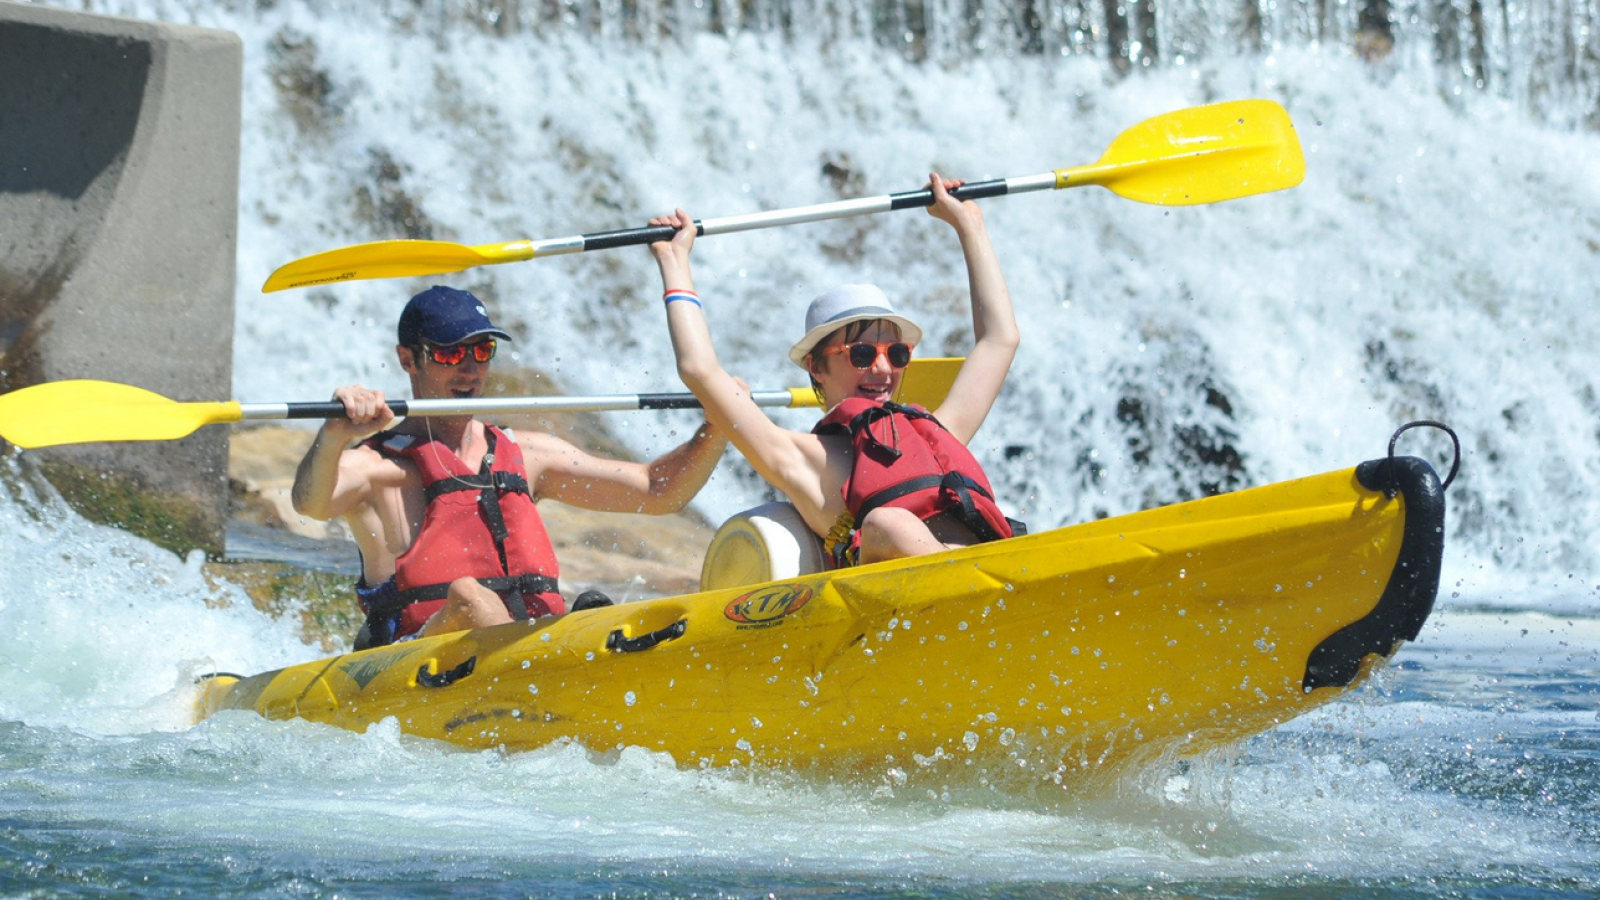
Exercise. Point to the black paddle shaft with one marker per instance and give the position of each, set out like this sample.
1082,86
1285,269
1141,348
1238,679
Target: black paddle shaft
333,409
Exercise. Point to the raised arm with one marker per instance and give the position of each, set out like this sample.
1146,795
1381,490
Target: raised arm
333,478
994,324
789,461
560,471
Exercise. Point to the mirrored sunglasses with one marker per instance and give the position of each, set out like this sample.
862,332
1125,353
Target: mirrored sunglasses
456,354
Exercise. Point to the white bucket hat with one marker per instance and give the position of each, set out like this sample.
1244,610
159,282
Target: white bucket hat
845,304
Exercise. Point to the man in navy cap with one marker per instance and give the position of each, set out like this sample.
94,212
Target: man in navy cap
442,508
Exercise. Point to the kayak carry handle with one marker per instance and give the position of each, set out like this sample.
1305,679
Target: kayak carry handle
429,679
616,641
1455,465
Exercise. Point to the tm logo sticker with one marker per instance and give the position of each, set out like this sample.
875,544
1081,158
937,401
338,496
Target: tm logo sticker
767,606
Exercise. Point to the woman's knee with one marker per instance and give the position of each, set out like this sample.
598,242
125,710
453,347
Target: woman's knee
891,533
889,523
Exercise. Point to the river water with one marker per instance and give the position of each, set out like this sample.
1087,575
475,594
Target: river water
1442,261
1469,769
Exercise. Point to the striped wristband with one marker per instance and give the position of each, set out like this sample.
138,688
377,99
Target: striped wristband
690,296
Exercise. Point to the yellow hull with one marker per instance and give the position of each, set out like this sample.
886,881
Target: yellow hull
1172,629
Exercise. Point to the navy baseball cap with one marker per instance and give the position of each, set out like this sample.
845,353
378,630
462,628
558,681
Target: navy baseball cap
444,316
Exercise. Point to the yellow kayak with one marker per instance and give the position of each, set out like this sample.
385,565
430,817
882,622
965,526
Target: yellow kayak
1169,630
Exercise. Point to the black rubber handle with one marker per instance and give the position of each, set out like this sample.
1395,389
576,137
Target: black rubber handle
616,641
977,190
331,409
445,679
633,237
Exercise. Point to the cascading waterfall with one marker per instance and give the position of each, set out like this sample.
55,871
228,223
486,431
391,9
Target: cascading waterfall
1543,54
1439,261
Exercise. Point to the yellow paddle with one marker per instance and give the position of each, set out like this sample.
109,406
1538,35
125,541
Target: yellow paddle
1201,155
83,411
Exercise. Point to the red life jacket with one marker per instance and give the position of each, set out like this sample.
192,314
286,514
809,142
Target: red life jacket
904,458
482,525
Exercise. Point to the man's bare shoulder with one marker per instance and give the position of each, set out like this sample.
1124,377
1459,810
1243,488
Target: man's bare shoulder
379,467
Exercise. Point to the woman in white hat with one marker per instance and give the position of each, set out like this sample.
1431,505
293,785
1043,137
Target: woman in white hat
876,480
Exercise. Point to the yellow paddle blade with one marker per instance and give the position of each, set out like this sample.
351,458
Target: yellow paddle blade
803,398
391,259
1199,155
83,412
926,383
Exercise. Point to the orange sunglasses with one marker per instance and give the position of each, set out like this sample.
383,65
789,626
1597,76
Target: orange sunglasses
863,353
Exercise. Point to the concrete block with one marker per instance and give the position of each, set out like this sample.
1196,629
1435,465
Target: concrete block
119,171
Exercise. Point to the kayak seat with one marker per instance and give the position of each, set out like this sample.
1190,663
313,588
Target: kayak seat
769,542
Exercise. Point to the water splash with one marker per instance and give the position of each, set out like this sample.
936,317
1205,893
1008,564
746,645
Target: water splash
105,632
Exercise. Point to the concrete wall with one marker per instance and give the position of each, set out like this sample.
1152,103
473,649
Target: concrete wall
119,170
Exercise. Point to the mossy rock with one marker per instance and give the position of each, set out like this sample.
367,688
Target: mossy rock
172,521
324,602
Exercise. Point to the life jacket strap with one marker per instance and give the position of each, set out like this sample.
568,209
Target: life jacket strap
957,484
861,424
498,482
511,589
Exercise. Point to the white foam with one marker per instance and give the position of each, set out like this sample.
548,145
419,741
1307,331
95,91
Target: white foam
104,632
